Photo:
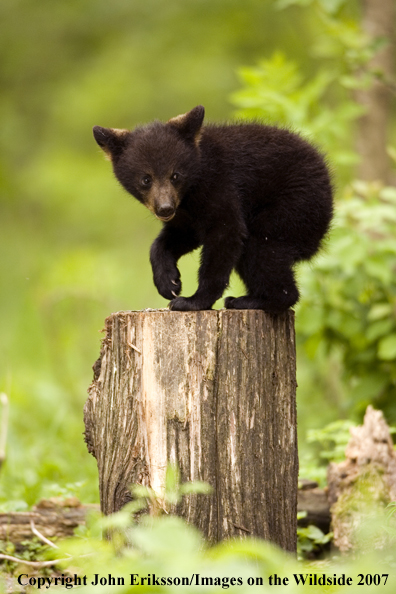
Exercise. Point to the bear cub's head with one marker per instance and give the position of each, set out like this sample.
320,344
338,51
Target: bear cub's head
156,163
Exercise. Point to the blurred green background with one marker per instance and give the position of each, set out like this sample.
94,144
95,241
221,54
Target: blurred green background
74,245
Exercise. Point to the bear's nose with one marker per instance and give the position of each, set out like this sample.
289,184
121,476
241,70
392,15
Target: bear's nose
165,212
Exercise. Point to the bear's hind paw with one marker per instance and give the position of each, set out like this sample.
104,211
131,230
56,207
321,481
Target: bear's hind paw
255,303
188,304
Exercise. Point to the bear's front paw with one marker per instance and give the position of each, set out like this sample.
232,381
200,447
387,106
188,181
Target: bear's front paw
188,304
168,285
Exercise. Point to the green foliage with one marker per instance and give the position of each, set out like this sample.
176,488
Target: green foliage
325,445
332,440
342,39
327,6
349,298
275,92
165,546
175,490
145,549
346,328
29,550
310,539
172,495
321,105
390,526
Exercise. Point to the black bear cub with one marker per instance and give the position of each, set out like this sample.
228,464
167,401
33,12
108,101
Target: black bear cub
257,198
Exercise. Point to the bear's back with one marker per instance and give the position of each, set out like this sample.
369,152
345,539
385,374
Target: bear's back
276,172
258,158
260,146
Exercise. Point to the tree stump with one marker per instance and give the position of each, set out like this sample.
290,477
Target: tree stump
361,486
213,391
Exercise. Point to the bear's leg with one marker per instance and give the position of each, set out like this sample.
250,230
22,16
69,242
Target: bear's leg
170,245
220,253
266,269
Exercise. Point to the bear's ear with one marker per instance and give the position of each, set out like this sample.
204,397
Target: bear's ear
189,124
111,140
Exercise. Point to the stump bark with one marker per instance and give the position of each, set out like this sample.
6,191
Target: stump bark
213,391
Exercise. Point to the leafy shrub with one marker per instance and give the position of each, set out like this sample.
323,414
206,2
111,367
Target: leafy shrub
166,547
349,299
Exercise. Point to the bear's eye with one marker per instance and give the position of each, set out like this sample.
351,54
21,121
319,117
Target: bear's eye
175,176
146,180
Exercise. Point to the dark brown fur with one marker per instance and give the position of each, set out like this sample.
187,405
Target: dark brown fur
257,198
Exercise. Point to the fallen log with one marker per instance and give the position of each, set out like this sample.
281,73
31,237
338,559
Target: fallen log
315,503
53,518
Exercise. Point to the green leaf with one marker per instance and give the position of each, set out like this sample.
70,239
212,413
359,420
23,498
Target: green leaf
140,491
391,150
368,387
197,487
314,533
331,6
172,484
152,537
379,328
379,310
387,348
389,193
281,4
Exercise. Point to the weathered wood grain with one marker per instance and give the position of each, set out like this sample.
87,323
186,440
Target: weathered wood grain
212,390
53,519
